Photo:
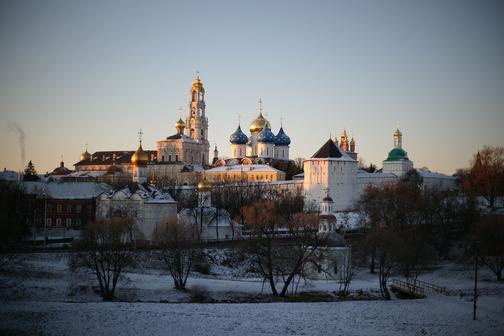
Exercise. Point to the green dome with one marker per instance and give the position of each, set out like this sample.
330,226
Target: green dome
397,154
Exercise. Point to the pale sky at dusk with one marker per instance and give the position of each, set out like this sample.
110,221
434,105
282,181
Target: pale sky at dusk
73,72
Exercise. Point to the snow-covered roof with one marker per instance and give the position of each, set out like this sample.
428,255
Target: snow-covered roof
65,190
243,168
9,175
428,174
365,174
181,138
147,193
194,167
87,173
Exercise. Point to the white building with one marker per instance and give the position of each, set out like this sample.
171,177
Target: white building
397,161
146,206
332,168
244,173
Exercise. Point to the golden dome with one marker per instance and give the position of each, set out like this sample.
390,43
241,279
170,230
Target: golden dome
180,123
197,85
259,123
140,157
85,156
204,185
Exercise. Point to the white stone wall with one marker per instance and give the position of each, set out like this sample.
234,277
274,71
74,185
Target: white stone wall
338,176
147,216
265,150
238,151
154,215
376,180
282,152
398,168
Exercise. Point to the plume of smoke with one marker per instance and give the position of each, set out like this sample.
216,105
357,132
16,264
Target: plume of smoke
21,140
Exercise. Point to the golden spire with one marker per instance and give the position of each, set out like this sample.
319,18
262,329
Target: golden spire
85,155
140,157
197,85
140,133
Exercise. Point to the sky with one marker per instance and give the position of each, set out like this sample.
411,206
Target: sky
77,72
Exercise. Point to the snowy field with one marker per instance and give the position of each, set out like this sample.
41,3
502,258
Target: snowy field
41,297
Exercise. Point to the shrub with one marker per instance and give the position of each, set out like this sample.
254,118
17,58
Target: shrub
199,294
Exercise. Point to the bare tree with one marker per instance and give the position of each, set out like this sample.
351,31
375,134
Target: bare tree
412,251
386,243
346,274
489,237
105,253
275,261
179,242
486,177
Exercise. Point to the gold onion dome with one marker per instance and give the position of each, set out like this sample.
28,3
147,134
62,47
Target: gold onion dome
180,123
259,123
204,185
197,85
85,156
140,157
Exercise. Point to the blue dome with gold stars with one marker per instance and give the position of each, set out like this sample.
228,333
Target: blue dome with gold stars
266,136
282,139
238,137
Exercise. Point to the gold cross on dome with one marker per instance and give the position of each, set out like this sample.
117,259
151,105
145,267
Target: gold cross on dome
140,133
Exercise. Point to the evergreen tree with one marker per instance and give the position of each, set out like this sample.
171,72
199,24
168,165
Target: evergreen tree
30,174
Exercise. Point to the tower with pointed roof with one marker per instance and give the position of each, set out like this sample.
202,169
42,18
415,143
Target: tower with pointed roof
197,122
330,168
139,161
397,161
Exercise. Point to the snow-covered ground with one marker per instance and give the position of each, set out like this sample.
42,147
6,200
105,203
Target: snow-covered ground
41,297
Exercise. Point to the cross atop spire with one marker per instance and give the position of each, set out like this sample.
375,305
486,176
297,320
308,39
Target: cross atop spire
197,74
140,133
180,111
260,105
281,121
239,119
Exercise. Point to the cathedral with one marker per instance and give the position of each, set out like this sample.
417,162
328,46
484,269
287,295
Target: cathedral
179,158
262,146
